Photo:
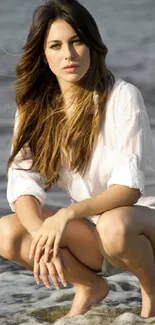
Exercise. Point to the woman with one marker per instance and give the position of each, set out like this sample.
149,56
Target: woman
79,128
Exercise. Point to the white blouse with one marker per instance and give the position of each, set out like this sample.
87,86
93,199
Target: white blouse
124,154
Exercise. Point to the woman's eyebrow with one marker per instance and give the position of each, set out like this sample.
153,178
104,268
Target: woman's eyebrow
60,41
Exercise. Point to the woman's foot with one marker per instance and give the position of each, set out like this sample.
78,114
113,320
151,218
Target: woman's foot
85,297
148,305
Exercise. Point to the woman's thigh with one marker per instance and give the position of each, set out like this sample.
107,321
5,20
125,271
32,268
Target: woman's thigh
79,237
133,220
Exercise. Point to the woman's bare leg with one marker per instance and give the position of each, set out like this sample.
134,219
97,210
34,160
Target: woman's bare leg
90,287
130,242
79,248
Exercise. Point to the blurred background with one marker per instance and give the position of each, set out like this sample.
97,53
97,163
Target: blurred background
127,28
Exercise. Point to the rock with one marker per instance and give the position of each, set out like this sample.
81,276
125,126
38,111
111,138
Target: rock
132,319
100,315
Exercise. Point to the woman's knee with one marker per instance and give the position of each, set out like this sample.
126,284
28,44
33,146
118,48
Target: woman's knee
114,229
8,237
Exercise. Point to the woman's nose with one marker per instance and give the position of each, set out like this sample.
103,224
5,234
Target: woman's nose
69,51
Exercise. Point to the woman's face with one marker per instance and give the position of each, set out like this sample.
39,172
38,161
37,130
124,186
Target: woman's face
63,47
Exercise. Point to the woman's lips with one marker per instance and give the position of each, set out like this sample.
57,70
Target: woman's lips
71,69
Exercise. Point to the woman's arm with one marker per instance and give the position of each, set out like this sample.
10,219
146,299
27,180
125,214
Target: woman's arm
114,197
29,212
133,146
25,189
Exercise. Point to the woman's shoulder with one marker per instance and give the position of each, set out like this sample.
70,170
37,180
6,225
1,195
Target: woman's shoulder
125,90
126,98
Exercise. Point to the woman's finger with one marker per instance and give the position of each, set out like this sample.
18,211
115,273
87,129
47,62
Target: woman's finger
58,263
53,274
36,272
33,245
48,248
56,244
41,243
44,273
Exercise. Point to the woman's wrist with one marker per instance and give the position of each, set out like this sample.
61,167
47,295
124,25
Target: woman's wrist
33,233
35,229
66,213
70,213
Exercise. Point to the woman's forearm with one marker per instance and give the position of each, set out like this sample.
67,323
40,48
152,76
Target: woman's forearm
113,197
29,212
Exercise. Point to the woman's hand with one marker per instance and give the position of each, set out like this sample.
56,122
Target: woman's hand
54,268
49,235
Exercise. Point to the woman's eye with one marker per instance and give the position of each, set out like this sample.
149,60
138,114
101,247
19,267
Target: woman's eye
53,46
58,45
77,41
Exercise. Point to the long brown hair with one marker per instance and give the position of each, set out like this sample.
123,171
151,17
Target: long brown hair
42,123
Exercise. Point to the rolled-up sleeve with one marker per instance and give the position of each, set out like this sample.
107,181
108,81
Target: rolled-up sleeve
133,138
23,182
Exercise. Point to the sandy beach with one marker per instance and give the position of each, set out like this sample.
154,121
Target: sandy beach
127,28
